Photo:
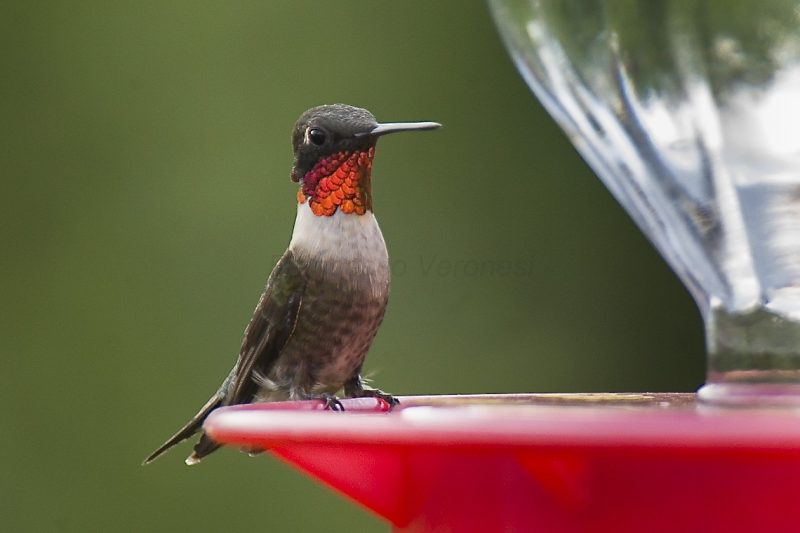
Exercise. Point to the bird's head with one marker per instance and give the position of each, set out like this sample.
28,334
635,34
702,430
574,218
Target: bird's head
333,150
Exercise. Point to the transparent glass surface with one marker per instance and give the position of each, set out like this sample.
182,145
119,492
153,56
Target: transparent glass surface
689,111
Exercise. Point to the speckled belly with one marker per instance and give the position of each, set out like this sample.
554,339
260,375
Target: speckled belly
335,328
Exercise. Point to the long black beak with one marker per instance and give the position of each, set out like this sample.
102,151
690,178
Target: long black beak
393,127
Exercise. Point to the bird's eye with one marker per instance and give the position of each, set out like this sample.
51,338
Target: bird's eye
316,136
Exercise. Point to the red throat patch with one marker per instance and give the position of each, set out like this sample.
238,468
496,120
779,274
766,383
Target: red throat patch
340,181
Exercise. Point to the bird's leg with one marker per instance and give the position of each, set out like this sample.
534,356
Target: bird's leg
356,388
329,401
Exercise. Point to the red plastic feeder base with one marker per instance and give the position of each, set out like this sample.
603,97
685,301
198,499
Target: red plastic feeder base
541,462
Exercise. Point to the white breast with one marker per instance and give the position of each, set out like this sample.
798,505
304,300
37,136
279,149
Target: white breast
346,245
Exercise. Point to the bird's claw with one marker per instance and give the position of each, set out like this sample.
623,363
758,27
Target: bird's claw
332,403
387,398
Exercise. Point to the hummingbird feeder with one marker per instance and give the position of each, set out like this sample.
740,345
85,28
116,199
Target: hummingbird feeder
688,112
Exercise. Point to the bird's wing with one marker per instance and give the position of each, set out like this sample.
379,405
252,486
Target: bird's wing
268,331
271,326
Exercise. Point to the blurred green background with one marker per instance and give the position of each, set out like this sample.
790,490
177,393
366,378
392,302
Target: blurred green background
145,197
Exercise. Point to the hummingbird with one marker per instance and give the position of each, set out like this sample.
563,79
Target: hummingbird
326,297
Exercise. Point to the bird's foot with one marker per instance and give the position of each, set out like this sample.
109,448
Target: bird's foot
331,403
390,401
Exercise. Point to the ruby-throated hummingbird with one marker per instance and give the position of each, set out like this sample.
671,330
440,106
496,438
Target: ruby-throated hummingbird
326,297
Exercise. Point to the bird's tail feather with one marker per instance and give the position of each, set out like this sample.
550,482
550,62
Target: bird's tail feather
204,447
